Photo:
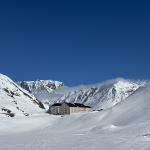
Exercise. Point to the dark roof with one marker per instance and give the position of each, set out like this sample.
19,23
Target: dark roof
56,104
72,105
81,105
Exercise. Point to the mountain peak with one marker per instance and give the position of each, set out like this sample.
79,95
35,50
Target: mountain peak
41,88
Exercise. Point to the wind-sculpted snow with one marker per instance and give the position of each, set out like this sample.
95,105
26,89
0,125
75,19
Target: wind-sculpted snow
16,101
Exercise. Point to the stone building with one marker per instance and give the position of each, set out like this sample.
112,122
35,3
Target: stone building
68,108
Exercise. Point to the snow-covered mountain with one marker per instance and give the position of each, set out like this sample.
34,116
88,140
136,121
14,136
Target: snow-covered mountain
125,126
99,96
14,100
40,88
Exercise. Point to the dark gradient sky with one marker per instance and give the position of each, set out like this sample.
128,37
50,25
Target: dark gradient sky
77,42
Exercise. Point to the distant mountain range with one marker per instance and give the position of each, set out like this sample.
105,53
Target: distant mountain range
99,96
27,97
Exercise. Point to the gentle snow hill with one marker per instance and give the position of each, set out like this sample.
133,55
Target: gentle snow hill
40,88
133,111
98,96
14,100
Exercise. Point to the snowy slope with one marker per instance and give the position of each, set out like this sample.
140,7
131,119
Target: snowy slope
16,101
40,88
99,96
125,126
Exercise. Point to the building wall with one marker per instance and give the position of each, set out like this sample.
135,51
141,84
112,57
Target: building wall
55,110
89,109
64,109
73,109
80,109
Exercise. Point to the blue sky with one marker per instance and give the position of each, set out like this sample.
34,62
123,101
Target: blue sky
77,42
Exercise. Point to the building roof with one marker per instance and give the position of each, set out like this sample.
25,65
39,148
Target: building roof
81,105
57,104
72,105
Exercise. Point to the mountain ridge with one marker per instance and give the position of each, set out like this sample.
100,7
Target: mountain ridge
40,88
99,96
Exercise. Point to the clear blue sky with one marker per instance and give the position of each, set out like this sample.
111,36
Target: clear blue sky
73,41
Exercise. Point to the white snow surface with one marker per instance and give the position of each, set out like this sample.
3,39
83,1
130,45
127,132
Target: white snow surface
16,100
126,126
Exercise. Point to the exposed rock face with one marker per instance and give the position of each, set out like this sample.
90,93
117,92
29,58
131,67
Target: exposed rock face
41,88
14,100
